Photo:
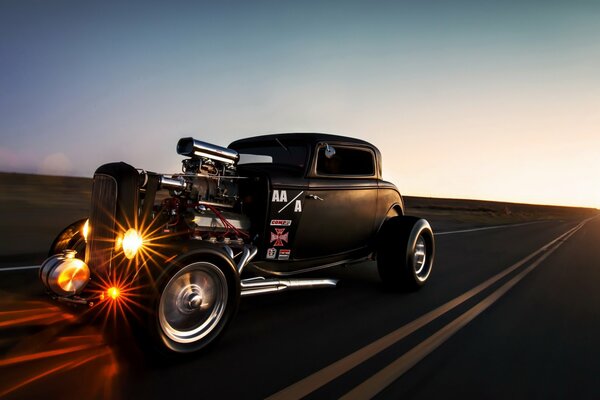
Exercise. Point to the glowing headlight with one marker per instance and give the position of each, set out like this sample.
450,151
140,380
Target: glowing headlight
132,241
118,242
113,292
86,229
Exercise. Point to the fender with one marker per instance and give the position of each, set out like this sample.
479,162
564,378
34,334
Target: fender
181,253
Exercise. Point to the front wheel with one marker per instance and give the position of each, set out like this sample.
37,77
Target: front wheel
405,251
195,304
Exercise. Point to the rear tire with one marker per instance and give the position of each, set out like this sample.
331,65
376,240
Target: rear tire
405,252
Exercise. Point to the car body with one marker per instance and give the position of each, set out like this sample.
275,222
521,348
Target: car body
309,202
253,218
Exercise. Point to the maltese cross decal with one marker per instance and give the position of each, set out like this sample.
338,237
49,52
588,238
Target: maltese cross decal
279,237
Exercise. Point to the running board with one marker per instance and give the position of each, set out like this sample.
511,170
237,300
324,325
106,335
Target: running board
254,286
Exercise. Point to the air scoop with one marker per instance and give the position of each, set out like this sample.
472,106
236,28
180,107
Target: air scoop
191,147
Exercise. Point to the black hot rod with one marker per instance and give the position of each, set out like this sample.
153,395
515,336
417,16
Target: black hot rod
237,221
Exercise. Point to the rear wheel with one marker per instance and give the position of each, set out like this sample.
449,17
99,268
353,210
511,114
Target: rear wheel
195,303
405,252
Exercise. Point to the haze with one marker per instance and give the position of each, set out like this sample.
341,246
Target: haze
484,100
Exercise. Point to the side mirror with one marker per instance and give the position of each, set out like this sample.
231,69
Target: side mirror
329,151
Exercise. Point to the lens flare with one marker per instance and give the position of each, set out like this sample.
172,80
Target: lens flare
86,229
118,242
132,242
113,292
120,298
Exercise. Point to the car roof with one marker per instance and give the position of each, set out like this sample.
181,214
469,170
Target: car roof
307,137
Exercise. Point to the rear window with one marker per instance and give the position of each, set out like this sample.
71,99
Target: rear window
346,161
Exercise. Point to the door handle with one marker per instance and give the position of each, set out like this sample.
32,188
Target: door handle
315,197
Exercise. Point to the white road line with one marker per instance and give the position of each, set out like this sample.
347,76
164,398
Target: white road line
382,379
322,377
487,227
19,268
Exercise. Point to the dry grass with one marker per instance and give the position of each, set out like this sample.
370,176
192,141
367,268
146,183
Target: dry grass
457,213
34,208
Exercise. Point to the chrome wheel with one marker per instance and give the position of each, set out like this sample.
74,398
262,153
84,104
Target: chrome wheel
405,252
193,302
420,265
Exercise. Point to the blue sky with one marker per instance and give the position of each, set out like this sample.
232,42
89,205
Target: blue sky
476,99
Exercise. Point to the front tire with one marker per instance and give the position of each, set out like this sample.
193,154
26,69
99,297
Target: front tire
196,301
405,252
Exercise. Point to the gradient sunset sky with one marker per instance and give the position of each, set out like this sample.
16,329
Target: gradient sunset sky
468,99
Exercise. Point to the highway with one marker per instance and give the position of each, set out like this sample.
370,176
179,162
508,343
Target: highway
509,312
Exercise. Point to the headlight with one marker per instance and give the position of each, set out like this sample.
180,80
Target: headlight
132,242
64,274
86,229
113,292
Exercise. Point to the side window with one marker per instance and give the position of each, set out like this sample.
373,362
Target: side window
345,161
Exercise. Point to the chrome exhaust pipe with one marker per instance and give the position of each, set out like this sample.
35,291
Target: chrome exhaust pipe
254,286
248,254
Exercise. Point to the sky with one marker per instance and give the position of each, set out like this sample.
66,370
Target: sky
465,99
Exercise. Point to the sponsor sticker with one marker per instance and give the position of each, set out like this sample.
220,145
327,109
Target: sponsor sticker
280,237
281,196
271,253
284,254
281,222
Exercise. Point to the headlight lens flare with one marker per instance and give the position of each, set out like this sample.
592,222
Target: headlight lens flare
132,242
113,292
86,229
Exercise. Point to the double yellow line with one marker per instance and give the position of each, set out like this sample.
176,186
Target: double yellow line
376,383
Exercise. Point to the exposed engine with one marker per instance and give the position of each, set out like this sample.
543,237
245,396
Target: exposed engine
204,199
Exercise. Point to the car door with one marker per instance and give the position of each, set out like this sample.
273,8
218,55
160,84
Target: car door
340,202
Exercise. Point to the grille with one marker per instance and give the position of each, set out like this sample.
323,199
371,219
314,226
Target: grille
102,222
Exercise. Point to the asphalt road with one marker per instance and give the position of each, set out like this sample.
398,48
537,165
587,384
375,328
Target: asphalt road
511,312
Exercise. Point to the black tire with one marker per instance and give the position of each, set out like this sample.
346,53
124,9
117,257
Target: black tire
405,252
196,300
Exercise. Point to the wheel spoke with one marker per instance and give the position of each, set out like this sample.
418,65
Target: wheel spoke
193,302
420,261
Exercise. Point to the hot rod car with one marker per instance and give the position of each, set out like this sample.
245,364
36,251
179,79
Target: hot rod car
237,221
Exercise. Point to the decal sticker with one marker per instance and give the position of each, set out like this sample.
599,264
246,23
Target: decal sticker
271,253
280,236
279,196
281,222
290,202
284,254
298,206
